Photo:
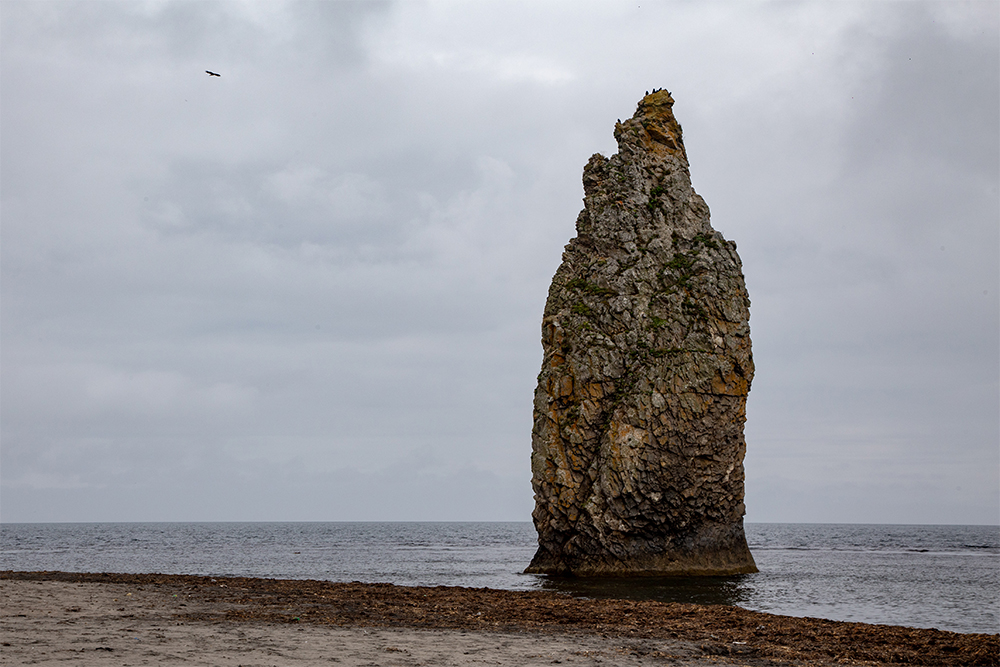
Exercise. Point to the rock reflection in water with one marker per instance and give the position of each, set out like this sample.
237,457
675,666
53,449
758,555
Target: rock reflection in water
698,590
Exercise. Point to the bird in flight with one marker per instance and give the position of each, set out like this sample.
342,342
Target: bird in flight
211,73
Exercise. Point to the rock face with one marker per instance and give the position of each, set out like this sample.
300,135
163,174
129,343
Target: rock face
637,443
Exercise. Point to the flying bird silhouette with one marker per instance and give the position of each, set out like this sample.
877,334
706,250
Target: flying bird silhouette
211,73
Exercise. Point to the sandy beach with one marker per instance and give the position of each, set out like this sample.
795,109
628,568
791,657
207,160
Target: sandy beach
115,619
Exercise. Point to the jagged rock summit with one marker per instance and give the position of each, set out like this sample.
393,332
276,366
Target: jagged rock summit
637,461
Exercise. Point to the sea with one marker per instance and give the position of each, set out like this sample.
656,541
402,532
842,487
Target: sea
945,577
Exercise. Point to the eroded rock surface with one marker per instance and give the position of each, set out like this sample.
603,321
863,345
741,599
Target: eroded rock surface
638,441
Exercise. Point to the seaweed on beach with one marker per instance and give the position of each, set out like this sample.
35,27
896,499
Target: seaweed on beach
719,630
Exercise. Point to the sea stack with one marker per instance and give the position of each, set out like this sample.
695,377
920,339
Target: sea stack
637,444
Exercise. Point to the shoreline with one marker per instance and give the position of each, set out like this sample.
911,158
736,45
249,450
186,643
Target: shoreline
689,633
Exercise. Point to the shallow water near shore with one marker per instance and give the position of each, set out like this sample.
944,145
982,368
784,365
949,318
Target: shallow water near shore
946,577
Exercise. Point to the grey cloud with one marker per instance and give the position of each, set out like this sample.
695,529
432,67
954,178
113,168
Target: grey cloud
328,266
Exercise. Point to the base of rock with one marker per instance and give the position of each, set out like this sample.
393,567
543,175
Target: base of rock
713,551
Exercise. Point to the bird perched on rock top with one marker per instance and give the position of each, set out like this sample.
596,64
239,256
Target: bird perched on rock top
211,73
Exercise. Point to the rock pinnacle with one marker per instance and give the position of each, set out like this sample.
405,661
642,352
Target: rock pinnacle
637,443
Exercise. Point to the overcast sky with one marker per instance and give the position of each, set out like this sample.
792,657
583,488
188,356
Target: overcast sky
312,288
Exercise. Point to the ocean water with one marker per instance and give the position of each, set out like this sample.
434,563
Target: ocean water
945,577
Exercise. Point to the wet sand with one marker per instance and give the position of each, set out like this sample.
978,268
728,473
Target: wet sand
120,619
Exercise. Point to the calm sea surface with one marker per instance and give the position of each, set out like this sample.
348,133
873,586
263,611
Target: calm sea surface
945,577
